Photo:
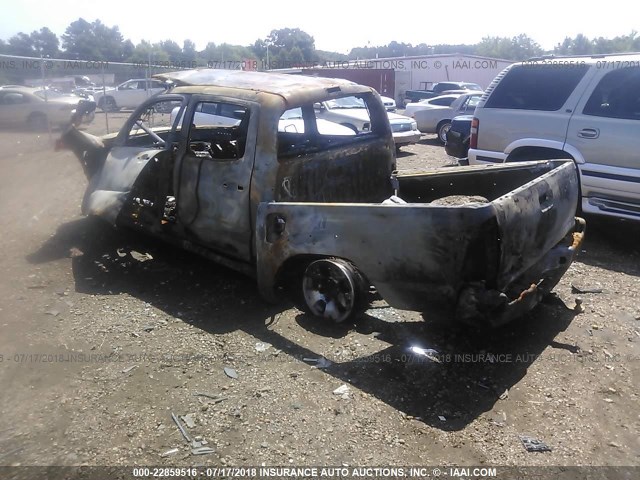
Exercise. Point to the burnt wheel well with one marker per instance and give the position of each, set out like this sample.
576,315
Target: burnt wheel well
291,271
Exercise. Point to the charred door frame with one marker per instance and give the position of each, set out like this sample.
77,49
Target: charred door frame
226,231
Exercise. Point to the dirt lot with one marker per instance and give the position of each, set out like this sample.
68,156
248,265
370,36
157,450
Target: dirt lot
105,334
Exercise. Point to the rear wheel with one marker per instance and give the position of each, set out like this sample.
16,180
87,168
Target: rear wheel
37,121
108,104
334,289
443,128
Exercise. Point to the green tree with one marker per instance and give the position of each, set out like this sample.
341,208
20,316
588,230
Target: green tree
21,44
294,56
581,45
172,49
449,49
111,40
93,41
145,52
45,43
79,42
363,52
209,54
563,48
523,47
127,49
326,56
234,53
189,53
515,48
285,44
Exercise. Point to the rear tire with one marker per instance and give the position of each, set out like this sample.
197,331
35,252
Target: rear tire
108,104
333,289
38,121
443,128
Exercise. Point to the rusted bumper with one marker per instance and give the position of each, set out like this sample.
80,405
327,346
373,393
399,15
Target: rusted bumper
480,305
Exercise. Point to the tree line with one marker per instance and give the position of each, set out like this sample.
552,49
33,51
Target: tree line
96,41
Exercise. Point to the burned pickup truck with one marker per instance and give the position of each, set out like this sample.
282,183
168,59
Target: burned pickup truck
244,172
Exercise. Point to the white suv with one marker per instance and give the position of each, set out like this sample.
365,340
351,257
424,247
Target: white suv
129,94
583,108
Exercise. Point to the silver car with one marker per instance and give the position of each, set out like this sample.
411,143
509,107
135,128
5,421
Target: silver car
438,119
435,102
36,107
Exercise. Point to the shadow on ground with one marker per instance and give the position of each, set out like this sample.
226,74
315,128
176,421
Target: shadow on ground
463,378
431,140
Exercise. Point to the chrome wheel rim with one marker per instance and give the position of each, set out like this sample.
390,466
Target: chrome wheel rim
329,290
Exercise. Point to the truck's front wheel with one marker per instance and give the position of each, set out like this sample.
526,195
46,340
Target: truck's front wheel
334,289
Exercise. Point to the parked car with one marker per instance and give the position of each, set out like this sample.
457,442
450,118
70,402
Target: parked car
35,107
436,102
389,103
291,121
583,108
438,89
457,144
324,217
128,94
352,112
438,119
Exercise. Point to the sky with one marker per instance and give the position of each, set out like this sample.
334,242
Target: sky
335,25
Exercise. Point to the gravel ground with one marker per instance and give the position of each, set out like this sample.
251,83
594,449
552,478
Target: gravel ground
104,334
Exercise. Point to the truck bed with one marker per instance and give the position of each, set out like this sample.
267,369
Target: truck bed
484,259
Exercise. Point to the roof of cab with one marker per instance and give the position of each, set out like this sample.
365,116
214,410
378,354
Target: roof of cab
276,83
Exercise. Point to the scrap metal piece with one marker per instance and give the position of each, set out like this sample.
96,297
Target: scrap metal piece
141,257
202,451
188,420
183,431
262,346
319,362
170,452
428,353
208,395
533,444
213,398
341,390
576,289
230,372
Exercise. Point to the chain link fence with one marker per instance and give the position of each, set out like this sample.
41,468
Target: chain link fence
91,79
